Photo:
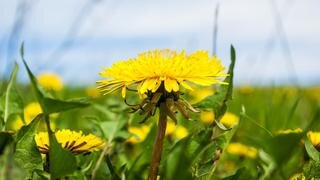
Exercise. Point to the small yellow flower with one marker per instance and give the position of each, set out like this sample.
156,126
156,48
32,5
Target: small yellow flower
151,69
31,111
176,131
289,131
17,123
242,150
171,127
180,132
298,176
72,141
229,120
92,92
314,138
139,134
199,93
50,81
207,117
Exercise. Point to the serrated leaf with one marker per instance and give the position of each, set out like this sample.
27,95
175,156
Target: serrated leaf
218,101
13,103
48,104
27,155
62,162
312,151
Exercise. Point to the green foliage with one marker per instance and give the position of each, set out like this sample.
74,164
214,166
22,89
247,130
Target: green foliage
48,104
311,170
218,101
61,162
203,154
280,147
12,101
312,151
27,155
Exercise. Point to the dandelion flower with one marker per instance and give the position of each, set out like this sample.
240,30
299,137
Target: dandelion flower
159,75
50,81
139,134
229,120
92,92
31,111
150,69
176,131
180,132
242,150
17,123
314,138
171,127
298,176
207,117
72,141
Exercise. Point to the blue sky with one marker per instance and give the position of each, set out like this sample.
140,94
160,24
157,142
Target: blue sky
119,29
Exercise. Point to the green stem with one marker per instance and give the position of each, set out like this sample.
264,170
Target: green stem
158,144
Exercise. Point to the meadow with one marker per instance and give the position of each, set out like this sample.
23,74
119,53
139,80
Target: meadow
50,130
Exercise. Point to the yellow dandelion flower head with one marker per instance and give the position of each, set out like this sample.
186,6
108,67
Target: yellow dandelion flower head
289,131
92,92
31,111
242,150
314,138
207,117
171,127
50,81
72,141
199,93
139,134
176,131
171,68
181,132
229,120
298,176
17,123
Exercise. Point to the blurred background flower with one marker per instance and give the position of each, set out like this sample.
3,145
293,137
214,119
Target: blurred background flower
50,81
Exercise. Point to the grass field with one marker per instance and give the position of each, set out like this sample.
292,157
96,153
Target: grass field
243,132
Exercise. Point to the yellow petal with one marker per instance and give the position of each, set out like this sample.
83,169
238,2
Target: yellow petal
123,91
171,85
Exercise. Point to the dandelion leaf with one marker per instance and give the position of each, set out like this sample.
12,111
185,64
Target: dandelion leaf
27,155
11,101
48,104
62,162
218,101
